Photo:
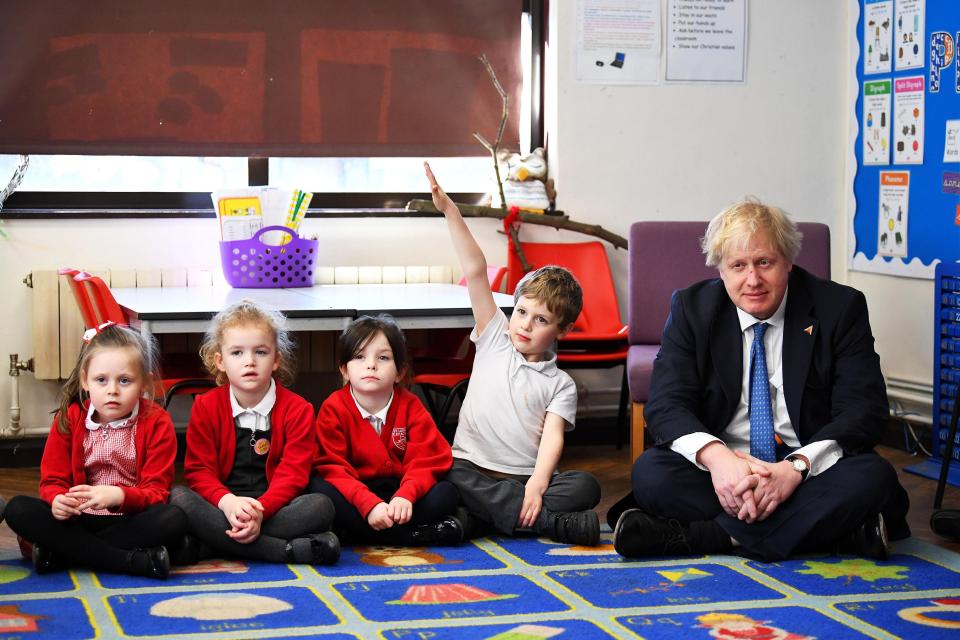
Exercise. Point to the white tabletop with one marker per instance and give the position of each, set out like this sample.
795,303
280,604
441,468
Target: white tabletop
317,308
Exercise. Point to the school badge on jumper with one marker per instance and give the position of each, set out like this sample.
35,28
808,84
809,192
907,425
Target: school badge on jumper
399,438
261,447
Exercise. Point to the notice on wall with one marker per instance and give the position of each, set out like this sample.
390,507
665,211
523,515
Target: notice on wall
894,204
706,40
877,31
908,94
908,36
951,142
618,41
876,122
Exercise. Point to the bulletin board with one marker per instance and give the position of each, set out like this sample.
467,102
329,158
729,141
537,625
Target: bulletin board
906,188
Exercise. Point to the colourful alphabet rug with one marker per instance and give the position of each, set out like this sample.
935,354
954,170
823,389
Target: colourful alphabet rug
499,589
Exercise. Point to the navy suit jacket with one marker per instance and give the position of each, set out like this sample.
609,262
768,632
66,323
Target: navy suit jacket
831,374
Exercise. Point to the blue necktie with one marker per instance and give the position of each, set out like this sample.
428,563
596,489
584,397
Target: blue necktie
762,444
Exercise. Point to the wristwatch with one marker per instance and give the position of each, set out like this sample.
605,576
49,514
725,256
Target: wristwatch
800,465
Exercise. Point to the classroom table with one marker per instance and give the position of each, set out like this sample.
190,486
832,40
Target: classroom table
319,308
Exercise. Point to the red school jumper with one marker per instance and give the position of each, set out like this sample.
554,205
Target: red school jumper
63,465
212,446
409,447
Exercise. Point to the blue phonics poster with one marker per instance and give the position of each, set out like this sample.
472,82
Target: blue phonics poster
907,127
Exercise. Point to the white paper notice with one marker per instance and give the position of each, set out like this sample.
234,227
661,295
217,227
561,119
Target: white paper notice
908,96
894,203
877,29
908,36
951,142
706,40
618,41
876,122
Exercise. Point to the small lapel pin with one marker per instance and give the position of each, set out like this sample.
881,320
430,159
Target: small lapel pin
809,330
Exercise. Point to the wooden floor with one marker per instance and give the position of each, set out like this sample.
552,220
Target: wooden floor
612,469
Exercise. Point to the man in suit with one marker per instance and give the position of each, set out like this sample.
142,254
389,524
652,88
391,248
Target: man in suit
765,404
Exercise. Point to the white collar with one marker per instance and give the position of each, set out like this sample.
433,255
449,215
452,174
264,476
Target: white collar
263,408
776,320
129,421
379,415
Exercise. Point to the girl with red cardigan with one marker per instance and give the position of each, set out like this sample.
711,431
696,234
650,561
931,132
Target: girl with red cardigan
382,458
250,449
107,466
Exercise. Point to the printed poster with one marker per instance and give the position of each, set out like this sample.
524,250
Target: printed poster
706,41
894,204
877,31
908,94
618,41
951,142
876,122
942,53
908,39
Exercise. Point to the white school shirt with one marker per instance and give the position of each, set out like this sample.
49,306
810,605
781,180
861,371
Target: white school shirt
822,454
377,419
255,418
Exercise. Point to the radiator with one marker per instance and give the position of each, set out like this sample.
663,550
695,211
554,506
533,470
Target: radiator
58,328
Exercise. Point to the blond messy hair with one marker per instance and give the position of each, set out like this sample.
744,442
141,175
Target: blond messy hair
733,227
247,313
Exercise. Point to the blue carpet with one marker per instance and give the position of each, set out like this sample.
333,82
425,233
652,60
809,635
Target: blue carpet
499,589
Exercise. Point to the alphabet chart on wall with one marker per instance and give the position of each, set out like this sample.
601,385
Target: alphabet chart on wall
907,143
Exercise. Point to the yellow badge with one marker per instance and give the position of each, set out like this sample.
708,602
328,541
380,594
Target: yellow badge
262,446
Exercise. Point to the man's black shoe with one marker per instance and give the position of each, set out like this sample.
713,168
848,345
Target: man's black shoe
869,539
447,532
638,535
44,560
946,524
576,527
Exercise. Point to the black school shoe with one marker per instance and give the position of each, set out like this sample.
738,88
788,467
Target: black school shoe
325,548
45,561
447,532
575,527
946,524
870,539
149,562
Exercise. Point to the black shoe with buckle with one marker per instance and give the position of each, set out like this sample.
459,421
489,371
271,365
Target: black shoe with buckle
869,539
45,561
576,527
946,524
639,535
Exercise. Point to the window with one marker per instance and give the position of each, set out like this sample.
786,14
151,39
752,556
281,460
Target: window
179,184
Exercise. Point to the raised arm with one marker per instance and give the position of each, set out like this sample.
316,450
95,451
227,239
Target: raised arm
471,258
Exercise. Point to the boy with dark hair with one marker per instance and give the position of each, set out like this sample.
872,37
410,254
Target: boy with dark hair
519,404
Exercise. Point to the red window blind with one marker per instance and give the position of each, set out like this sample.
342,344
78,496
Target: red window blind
254,78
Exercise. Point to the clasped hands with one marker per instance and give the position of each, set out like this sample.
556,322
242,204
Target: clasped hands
245,516
385,515
748,489
84,496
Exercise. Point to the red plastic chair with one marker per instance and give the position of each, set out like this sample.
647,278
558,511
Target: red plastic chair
443,368
97,305
599,336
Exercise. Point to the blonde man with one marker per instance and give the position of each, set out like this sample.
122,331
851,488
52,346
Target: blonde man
765,404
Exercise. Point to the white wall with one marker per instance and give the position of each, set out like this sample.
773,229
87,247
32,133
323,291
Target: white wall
618,154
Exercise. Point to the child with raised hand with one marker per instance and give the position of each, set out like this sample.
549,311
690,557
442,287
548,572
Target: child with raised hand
107,466
250,450
382,459
519,404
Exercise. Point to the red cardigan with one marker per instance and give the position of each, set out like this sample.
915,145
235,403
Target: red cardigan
63,464
409,447
212,445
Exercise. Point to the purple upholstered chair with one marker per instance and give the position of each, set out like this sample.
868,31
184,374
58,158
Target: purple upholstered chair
664,257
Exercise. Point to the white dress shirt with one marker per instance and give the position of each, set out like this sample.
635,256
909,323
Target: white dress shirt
377,419
822,454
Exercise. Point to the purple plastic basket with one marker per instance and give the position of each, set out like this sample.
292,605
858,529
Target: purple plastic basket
255,265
